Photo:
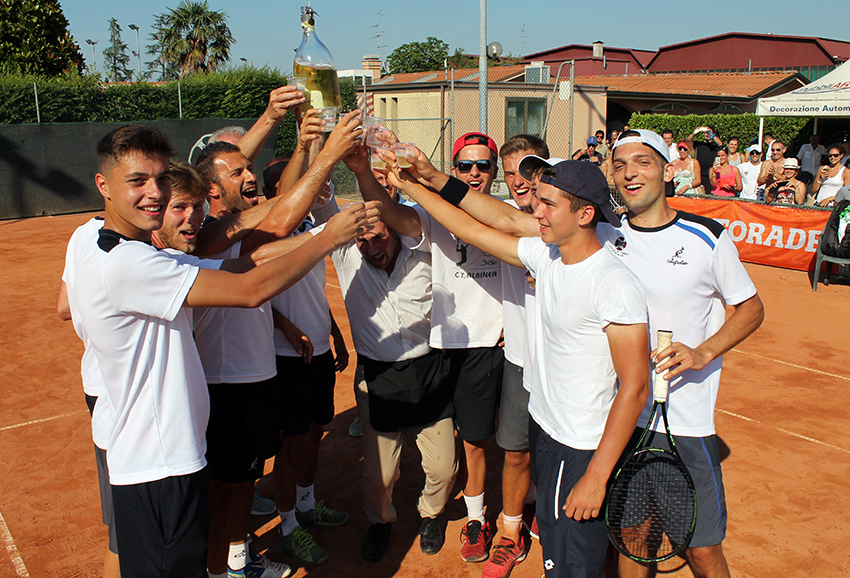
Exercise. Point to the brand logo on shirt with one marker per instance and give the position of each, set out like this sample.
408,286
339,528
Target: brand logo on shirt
489,262
618,247
677,258
549,564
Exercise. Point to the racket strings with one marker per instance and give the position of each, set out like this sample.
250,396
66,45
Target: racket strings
651,507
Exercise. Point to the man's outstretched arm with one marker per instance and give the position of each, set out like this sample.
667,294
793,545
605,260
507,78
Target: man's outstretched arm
281,101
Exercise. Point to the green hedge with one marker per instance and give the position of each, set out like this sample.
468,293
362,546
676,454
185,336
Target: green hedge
793,131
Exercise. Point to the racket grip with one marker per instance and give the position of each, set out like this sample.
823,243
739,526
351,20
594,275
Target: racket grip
659,385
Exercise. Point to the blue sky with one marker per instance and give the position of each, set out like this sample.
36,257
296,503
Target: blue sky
267,31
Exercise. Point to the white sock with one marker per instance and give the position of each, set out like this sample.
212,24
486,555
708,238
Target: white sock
511,524
305,500
288,522
211,575
237,556
474,507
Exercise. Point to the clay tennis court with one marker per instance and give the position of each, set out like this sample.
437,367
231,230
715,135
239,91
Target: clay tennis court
783,415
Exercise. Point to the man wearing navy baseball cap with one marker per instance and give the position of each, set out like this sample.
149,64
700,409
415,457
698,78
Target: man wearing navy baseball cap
591,358
589,153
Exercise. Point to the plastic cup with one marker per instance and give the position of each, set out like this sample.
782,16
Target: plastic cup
402,148
328,114
372,128
299,82
378,163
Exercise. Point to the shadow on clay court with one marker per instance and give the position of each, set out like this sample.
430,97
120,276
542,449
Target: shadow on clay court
339,481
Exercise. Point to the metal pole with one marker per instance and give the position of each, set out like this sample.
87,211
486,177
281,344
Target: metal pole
37,112
761,135
552,101
482,67
138,50
179,99
452,131
572,102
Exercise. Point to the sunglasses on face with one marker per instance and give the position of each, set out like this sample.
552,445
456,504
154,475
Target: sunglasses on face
834,155
683,148
776,150
465,166
754,153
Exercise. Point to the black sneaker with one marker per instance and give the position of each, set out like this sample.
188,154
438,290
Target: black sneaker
430,536
375,543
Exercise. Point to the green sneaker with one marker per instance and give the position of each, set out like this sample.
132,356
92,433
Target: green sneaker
321,515
300,545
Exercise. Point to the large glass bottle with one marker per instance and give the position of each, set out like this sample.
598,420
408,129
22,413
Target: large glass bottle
314,62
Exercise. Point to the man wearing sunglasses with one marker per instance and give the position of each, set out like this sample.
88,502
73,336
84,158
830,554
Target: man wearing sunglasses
772,169
750,171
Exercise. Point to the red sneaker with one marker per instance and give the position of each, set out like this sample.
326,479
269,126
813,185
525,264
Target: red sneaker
475,541
505,556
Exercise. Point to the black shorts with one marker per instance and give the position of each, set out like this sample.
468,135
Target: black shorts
306,392
244,429
163,526
476,376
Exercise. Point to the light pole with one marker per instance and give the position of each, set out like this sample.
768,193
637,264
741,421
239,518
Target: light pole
138,50
93,57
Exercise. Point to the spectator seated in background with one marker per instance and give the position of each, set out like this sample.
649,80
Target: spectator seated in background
749,175
589,153
686,171
787,192
601,145
831,177
725,179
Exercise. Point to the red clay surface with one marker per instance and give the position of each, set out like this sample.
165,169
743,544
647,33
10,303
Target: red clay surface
782,413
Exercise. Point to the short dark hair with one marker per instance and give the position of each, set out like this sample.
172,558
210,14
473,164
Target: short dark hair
272,174
187,182
131,138
576,203
731,138
666,131
768,134
524,142
207,158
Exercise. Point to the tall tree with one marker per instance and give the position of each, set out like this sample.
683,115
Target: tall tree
34,38
166,69
418,56
115,55
193,38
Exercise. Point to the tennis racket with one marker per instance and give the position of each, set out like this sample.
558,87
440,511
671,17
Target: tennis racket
650,510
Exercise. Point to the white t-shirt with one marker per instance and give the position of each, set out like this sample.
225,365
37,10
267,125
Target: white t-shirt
390,315
84,236
810,158
142,338
749,180
690,270
514,291
307,307
236,344
574,382
467,289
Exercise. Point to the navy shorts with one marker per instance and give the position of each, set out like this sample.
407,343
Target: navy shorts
244,429
571,548
512,434
476,376
163,526
702,458
306,392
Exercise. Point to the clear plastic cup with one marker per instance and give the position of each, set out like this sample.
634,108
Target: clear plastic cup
377,162
373,126
402,148
328,114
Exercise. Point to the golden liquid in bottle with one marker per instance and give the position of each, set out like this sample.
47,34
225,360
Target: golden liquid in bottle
322,86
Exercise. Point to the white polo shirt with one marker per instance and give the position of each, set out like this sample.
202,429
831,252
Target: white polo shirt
574,383
467,289
142,338
690,270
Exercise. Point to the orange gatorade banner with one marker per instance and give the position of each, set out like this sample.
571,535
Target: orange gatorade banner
778,236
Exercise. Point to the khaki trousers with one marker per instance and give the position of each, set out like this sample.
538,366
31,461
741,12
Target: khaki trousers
382,454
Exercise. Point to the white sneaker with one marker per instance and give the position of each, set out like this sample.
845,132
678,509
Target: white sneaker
260,566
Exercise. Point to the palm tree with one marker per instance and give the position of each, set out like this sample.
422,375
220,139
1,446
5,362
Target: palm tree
193,38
